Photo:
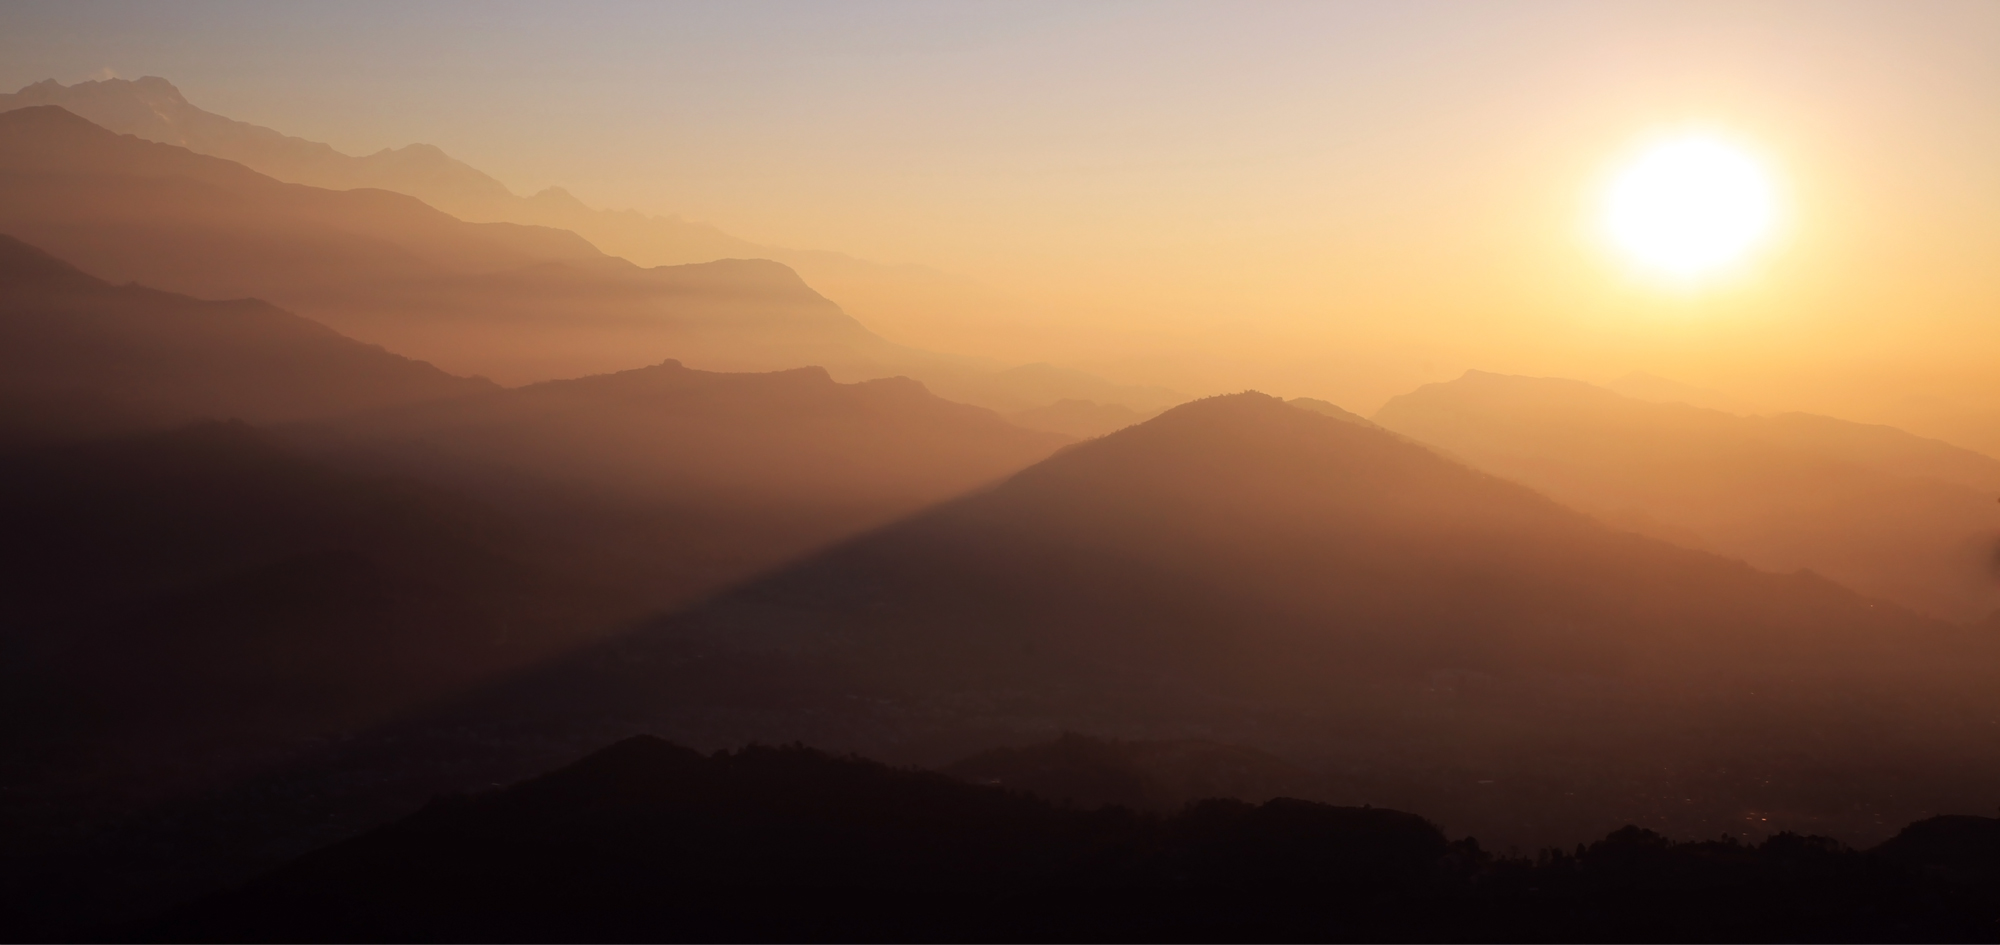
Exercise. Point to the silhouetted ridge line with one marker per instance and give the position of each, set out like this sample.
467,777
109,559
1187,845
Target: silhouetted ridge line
1079,770
81,357
1244,571
646,840
1888,513
514,301
910,296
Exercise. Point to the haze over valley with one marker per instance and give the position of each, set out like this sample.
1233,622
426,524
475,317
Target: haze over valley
1165,473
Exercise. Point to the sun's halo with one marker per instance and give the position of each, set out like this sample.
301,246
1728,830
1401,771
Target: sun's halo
1690,206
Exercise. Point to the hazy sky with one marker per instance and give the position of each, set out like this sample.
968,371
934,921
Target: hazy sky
1334,199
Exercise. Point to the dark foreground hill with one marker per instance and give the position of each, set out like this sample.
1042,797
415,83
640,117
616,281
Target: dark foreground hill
82,357
1244,571
1081,771
1888,513
647,841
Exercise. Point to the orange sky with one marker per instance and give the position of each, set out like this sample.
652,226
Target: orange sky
1337,200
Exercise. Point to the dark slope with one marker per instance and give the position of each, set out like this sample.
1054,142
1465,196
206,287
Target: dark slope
1885,512
786,437
683,479
79,356
1241,570
647,841
1078,770
188,609
200,608
204,586
517,303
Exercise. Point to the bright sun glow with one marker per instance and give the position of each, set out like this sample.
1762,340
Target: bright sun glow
1690,206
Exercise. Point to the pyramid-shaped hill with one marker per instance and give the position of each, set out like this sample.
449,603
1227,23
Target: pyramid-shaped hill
79,356
513,302
1247,571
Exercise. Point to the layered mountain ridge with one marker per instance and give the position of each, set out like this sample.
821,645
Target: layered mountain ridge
1891,514
919,305
79,356
1245,570
518,303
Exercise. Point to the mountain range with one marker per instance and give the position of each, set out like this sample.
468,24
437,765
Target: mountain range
1241,569
517,303
682,480
319,500
649,841
919,305
511,302
1888,513
195,600
81,357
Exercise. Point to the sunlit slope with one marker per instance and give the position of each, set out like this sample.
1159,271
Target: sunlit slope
1241,569
79,356
1886,512
516,303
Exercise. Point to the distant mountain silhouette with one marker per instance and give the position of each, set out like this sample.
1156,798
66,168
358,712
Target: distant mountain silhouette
912,298
152,109
649,841
1885,512
787,436
517,303
1244,571
507,301
698,478
1325,408
1653,388
1029,386
79,356
1081,771
1078,418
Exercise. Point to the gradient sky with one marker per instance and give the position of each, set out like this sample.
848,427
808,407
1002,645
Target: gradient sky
1340,200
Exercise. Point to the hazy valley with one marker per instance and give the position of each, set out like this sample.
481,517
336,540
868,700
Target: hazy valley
391,556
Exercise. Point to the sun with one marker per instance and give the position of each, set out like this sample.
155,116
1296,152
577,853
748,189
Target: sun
1690,206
